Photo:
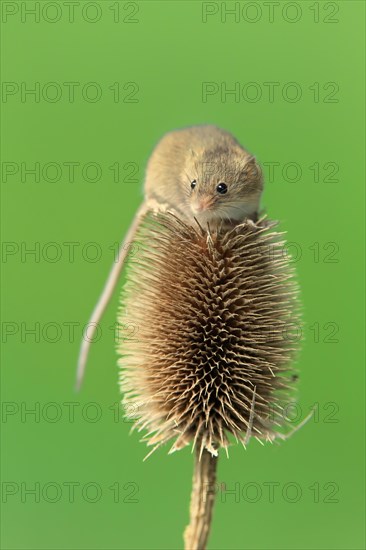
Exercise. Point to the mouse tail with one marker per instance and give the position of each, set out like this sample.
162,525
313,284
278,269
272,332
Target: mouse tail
106,294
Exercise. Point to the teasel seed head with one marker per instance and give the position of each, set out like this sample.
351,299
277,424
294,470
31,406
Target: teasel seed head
206,325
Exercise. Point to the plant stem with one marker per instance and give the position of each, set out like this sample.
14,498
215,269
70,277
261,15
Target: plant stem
202,501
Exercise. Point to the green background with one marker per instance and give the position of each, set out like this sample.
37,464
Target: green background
169,51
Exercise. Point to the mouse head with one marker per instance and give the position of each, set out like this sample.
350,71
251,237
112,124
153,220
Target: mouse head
222,184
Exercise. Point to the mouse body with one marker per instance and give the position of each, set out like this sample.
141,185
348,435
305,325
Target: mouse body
200,173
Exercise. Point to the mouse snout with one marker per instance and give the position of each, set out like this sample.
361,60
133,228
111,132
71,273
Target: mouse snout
201,204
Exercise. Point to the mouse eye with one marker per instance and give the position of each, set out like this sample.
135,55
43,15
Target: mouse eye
221,188
193,184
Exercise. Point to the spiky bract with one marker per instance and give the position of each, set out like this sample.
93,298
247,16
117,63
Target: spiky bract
206,332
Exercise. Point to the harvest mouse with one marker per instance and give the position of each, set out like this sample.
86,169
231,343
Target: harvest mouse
200,173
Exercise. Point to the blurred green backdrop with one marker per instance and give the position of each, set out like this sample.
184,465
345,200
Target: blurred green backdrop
108,79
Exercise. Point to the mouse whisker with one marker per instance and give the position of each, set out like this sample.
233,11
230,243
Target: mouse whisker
221,211
188,177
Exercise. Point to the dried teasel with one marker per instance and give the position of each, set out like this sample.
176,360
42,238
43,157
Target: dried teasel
210,314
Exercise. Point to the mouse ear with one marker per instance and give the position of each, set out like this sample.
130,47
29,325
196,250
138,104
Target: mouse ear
251,168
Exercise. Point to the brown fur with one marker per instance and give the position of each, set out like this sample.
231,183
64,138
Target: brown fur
210,156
